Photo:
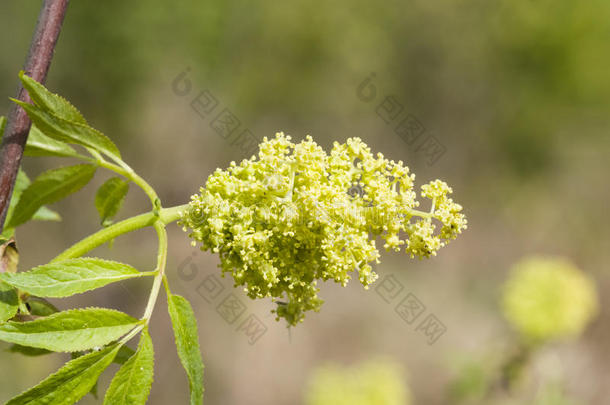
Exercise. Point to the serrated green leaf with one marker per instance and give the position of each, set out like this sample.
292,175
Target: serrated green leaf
40,307
131,384
39,144
71,382
75,355
28,351
51,186
50,102
109,198
124,354
69,131
21,183
184,324
46,214
70,331
69,277
9,302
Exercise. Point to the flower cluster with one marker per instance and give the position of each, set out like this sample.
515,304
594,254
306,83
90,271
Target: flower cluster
548,298
295,215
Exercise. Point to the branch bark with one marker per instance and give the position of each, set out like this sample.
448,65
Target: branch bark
18,124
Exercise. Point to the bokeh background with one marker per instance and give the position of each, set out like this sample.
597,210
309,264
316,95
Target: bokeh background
516,92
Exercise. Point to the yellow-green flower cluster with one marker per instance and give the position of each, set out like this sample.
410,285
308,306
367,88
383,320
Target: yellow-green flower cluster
295,215
375,382
547,298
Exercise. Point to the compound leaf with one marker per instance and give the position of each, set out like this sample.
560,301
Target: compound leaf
71,382
51,186
187,344
69,277
131,384
70,331
109,198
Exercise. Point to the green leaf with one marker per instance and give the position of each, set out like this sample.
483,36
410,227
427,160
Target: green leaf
39,144
124,354
70,331
71,382
187,344
2,126
68,131
49,187
69,277
43,213
131,384
50,102
9,302
21,183
28,351
40,307
109,198
46,214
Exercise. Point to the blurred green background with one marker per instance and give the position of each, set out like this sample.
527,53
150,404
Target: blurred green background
517,93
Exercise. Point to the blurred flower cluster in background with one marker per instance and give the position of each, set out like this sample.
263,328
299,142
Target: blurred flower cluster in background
516,96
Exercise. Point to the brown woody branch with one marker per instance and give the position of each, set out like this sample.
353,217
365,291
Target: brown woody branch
18,124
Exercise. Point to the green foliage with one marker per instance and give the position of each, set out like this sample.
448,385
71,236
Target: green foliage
69,277
9,301
124,354
28,351
131,385
40,307
70,331
187,344
109,198
69,131
51,186
49,101
263,217
42,214
21,184
39,144
35,326
2,125
71,382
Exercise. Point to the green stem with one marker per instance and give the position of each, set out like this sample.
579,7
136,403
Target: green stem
124,170
421,214
165,215
161,262
131,334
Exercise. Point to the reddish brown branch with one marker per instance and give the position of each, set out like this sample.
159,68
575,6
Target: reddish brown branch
18,124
